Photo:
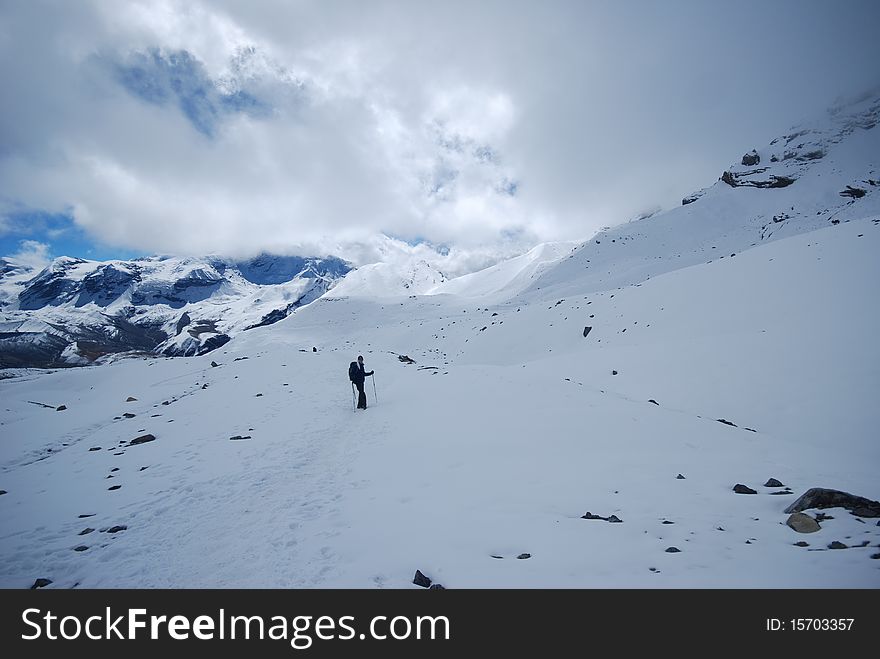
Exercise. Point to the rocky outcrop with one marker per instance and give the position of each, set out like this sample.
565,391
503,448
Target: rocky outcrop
737,180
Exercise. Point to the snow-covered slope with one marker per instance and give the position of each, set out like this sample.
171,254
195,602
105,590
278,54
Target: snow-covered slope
75,311
410,277
830,170
506,278
510,426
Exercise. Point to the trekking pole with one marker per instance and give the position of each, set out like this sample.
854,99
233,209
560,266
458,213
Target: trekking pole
375,395
352,396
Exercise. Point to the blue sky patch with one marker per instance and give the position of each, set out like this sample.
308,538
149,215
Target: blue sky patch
160,78
59,232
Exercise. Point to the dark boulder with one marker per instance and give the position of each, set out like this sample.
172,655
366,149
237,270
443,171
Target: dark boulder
587,330
819,497
739,488
143,439
751,158
41,583
421,580
773,483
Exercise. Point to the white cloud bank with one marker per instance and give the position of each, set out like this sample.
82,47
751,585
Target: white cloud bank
228,127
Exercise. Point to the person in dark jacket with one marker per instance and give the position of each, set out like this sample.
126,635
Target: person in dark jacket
358,379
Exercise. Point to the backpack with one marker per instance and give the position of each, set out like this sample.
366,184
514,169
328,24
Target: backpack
352,371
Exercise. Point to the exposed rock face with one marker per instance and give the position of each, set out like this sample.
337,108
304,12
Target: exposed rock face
66,308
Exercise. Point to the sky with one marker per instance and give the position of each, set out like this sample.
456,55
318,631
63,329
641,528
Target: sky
459,131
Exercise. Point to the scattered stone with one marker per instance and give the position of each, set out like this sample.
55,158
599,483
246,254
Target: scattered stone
205,386
130,399
802,523
421,580
614,519
837,545
673,550
875,556
143,439
653,569
726,422
651,400
142,468
214,364
522,557
613,372
587,330
114,487
436,586
739,488
61,408
719,528
495,556
773,483
95,448
238,359
86,531
238,437
117,529
129,415
680,477
821,517
409,360
41,583
666,521
80,548
801,543
258,395
2,492
819,497
314,349
84,516
166,402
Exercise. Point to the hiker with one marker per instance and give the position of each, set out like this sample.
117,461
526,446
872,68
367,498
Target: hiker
357,374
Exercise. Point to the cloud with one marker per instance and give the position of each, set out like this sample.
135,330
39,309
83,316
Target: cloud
32,253
225,127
